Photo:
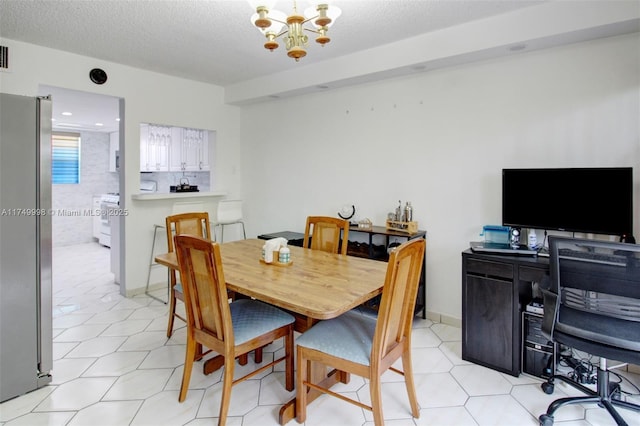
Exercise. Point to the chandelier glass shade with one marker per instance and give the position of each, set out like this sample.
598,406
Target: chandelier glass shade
274,24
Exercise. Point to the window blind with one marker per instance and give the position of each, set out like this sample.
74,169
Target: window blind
65,158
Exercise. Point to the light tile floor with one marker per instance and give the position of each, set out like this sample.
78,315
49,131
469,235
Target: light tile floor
114,366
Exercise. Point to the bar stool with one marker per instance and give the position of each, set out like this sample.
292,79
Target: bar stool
229,213
152,263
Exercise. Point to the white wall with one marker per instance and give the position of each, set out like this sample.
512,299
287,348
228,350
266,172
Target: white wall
149,98
440,140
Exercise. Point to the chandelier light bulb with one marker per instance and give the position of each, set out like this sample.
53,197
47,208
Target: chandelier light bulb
323,15
323,20
271,42
296,53
322,38
261,19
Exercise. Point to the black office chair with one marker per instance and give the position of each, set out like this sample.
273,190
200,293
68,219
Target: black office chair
593,306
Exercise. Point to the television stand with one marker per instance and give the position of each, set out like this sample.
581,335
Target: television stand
495,291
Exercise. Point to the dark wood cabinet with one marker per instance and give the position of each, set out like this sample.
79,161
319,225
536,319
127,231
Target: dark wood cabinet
495,290
489,328
379,252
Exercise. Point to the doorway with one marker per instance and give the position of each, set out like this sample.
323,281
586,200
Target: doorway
95,120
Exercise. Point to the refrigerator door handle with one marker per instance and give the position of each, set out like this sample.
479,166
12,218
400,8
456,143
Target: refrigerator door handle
44,227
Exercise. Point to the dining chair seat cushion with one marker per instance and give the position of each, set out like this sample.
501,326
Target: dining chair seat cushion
251,318
367,312
349,336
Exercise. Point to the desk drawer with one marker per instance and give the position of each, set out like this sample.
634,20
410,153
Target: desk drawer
490,269
531,274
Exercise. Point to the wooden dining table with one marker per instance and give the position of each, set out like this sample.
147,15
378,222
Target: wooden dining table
315,286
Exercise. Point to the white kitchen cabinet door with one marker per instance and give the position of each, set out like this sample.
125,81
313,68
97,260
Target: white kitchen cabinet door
187,147
175,153
163,145
203,155
144,148
192,142
155,144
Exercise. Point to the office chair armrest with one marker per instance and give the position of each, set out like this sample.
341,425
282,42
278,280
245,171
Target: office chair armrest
545,283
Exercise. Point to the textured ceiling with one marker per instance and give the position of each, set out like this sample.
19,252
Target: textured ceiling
214,41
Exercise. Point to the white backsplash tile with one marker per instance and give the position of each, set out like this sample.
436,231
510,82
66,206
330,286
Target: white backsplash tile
167,179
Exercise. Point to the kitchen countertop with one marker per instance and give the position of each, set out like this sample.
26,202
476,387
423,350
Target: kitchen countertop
175,195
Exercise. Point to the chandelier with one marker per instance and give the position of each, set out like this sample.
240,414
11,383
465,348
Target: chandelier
274,24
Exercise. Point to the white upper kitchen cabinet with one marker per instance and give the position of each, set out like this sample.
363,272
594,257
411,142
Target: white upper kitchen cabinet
189,150
173,149
203,161
155,147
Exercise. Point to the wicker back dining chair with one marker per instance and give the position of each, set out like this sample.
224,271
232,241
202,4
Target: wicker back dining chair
366,346
192,223
229,329
324,233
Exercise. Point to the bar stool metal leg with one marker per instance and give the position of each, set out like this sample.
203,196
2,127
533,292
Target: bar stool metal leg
222,225
152,263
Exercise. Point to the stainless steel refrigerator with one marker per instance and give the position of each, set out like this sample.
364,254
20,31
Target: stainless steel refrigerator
25,245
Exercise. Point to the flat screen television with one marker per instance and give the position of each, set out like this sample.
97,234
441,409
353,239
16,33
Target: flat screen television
588,200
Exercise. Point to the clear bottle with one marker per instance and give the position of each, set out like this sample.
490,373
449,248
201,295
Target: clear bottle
399,211
408,212
533,239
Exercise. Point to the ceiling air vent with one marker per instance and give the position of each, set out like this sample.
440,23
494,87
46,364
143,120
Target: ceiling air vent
4,58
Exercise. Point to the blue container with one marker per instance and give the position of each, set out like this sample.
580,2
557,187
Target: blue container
496,234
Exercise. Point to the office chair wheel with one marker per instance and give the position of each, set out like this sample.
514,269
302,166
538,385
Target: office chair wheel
547,388
545,420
